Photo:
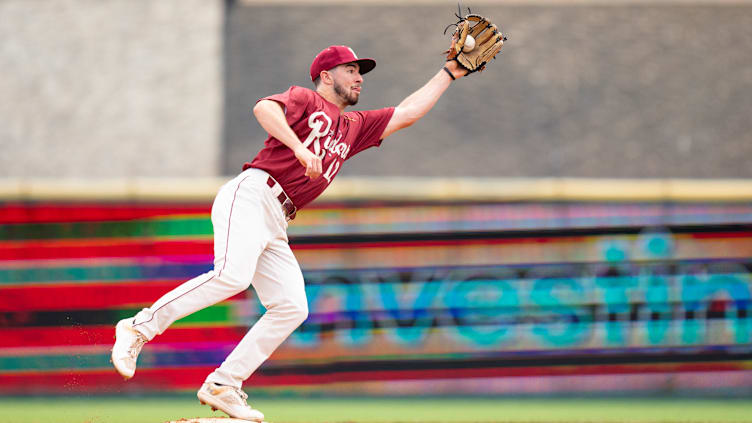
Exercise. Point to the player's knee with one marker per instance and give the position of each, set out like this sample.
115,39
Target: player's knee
299,313
294,313
233,283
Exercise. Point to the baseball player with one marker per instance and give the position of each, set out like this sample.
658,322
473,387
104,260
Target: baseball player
310,136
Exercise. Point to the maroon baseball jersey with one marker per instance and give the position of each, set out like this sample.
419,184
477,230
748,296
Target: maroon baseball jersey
332,136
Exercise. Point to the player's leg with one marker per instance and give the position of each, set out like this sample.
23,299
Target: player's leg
240,235
279,285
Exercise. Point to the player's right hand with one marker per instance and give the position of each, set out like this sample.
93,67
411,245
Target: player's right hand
310,161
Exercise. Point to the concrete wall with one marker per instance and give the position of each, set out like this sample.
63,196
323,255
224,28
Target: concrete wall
613,90
112,88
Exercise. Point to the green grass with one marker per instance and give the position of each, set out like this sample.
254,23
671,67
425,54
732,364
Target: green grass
373,410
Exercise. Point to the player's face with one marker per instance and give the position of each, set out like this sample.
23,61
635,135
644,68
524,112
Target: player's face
347,83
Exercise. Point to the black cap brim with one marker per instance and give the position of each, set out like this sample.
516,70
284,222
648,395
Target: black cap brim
366,65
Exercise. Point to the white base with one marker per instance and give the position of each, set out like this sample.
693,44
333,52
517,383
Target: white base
211,420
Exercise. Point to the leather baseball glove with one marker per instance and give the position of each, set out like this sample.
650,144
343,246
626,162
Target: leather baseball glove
475,41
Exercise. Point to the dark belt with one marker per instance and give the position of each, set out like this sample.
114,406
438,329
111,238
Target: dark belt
287,206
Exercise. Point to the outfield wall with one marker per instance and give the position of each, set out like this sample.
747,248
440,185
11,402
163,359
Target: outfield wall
499,295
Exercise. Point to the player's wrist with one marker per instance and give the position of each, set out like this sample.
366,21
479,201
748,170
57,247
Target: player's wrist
453,70
451,75
298,148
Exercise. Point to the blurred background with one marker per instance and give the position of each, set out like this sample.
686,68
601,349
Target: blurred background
574,220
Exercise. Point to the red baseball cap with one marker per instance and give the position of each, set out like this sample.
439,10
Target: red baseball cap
333,56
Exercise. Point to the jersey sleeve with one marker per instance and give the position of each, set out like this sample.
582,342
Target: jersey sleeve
294,102
374,123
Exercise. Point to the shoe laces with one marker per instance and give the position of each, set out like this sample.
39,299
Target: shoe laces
135,348
242,394
243,397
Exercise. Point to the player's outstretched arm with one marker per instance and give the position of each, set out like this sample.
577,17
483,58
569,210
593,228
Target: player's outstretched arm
272,118
417,104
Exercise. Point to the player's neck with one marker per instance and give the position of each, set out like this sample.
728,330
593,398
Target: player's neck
332,97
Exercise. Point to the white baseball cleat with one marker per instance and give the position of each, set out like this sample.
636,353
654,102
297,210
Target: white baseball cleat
128,343
230,400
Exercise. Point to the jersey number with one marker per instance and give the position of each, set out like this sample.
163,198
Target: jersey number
333,168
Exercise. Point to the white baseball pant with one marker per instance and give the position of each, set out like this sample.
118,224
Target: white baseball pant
250,247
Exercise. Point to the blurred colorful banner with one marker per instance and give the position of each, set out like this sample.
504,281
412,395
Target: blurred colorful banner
423,297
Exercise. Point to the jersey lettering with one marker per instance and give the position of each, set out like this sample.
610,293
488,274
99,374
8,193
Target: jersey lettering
333,168
334,146
320,124
316,122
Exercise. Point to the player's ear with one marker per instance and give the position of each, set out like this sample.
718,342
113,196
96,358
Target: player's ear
326,77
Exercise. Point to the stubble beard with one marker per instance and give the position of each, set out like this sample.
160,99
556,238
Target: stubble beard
349,98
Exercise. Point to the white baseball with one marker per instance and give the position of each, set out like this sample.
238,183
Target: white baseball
469,44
